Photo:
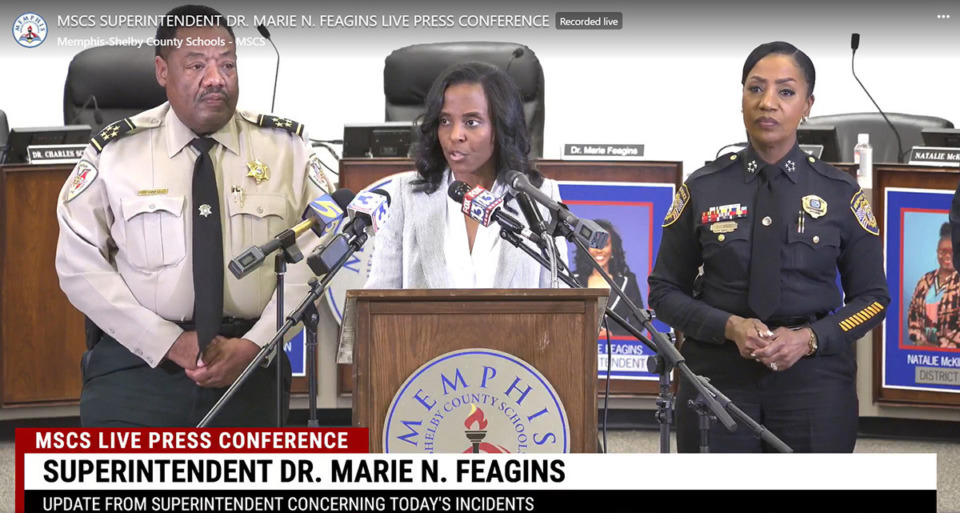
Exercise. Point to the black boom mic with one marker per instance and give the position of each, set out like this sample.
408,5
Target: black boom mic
532,214
266,34
854,44
97,116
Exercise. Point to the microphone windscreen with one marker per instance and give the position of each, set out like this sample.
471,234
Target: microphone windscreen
343,197
458,190
854,41
263,31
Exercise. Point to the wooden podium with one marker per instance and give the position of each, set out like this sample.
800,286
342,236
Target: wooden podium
395,332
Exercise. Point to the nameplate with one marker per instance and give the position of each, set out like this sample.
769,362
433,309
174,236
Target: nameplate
603,151
55,153
815,150
932,156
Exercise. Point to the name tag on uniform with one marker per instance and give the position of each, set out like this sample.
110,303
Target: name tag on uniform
152,192
723,227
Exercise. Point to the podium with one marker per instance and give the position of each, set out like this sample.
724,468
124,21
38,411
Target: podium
393,333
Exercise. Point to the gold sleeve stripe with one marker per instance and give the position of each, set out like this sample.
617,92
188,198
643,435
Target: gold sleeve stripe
861,317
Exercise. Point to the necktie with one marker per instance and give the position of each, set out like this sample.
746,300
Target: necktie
764,292
207,246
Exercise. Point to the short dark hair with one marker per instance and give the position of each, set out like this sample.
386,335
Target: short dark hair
782,48
506,112
945,232
199,16
618,257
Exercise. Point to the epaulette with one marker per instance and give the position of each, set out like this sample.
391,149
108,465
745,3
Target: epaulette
265,121
831,172
111,132
721,163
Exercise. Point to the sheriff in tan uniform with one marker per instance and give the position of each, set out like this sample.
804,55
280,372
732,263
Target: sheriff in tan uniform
124,255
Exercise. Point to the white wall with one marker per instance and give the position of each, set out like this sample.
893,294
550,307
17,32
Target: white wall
669,79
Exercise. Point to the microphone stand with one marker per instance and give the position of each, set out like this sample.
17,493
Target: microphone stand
289,253
295,317
712,405
665,398
712,409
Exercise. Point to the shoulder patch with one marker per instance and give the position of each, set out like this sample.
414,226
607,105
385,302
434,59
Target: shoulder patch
266,121
680,201
316,174
861,209
84,175
111,132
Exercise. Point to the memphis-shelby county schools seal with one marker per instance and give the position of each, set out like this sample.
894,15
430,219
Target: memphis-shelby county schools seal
473,401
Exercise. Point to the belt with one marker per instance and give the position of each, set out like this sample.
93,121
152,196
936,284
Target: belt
230,327
792,322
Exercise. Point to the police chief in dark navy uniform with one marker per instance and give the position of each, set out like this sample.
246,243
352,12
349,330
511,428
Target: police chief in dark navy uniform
771,227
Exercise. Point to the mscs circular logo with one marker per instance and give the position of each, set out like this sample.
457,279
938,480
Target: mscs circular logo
30,30
476,401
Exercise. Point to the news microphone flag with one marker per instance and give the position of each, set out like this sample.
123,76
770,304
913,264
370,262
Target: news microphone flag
480,204
371,206
325,212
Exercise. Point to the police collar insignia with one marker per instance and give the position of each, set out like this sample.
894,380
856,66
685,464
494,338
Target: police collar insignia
814,205
723,213
258,171
752,166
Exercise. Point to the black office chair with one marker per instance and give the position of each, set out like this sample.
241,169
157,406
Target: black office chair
4,130
409,72
882,138
121,79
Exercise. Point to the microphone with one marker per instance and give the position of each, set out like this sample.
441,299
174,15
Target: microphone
266,34
482,206
854,45
517,53
589,232
367,212
532,214
323,215
97,116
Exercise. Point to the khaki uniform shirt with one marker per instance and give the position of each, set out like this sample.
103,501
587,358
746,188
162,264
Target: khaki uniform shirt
124,255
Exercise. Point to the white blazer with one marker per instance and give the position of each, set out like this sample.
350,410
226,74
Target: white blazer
408,252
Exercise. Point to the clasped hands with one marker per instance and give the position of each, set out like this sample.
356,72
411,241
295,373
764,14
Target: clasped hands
778,349
220,365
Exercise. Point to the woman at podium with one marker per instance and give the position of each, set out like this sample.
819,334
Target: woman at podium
770,227
473,130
